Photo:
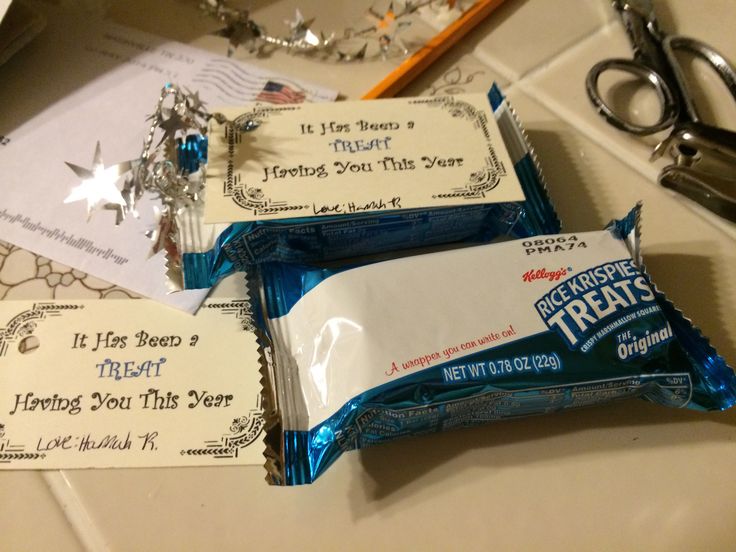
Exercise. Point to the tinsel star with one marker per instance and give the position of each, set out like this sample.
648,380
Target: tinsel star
165,238
171,125
163,235
411,7
135,183
130,194
300,33
98,186
348,56
388,28
387,18
194,101
240,29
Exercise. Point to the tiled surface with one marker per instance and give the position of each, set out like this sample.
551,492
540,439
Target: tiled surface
457,72
560,87
30,518
617,477
525,34
621,477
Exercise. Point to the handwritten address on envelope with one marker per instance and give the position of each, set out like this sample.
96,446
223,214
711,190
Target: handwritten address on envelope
94,384
275,162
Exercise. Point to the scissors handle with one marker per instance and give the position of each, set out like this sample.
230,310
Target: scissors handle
668,101
716,61
650,64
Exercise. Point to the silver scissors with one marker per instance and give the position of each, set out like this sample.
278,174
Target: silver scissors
705,155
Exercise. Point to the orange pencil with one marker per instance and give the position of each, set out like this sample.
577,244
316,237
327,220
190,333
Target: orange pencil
410,68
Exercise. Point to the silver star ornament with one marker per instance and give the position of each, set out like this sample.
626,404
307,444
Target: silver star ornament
301,35
99,184
240,30
194,101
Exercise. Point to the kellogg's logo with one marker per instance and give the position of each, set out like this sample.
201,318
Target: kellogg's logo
544,274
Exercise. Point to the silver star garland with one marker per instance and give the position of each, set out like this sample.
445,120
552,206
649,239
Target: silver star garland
349,45
388,27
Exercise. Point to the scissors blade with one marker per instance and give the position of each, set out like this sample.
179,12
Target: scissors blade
645,8
641,26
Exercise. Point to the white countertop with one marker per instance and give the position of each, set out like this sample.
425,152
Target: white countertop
630,475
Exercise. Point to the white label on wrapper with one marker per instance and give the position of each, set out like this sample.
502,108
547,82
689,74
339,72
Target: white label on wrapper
368,326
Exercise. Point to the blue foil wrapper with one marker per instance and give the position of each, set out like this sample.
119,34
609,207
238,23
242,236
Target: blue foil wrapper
361,355
191,152
326,238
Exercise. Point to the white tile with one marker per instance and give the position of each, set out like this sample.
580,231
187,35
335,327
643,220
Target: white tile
636,474
522,35
709,20
457,73
561,87
30,518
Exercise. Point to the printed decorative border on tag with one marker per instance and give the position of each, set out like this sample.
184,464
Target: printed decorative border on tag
355,157
129,383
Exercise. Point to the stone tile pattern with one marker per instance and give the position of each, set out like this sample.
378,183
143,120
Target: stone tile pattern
25,275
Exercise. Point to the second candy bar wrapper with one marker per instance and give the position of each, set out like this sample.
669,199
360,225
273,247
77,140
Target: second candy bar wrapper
325,238
357,356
